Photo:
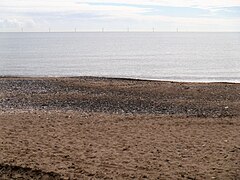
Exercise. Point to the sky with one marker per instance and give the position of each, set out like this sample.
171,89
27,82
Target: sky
120,15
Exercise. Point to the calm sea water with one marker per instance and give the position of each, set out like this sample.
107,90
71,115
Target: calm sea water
163,56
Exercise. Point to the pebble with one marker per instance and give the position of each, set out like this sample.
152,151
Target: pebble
61,95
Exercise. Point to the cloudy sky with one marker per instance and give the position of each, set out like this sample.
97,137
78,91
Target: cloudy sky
118,15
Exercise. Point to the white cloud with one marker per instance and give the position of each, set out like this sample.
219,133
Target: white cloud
175,3
63,13
16,23
10,23
62,6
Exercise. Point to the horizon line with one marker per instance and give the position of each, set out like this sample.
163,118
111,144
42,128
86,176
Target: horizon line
116,31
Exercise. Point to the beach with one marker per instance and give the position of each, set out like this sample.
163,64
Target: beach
110,128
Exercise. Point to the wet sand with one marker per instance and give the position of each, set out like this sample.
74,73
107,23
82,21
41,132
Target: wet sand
99,128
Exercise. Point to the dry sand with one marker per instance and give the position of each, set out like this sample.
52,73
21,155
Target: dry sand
98,128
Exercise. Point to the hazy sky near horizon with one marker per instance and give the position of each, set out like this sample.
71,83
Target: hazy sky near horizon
118,15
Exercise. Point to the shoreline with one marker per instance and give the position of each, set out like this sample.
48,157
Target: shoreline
127,79
125,96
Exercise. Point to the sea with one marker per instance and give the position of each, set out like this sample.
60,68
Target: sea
172,56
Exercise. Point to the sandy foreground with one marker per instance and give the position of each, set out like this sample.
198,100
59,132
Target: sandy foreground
99,128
